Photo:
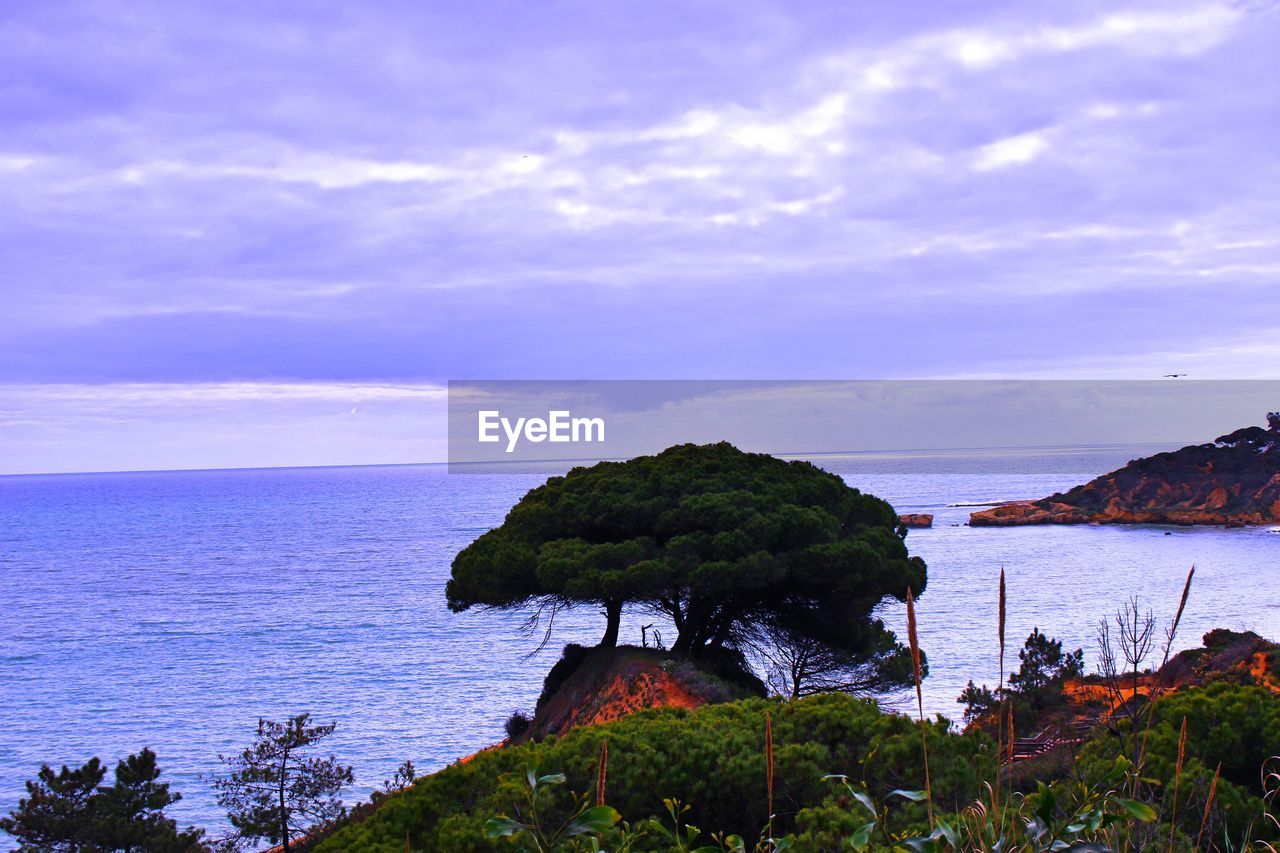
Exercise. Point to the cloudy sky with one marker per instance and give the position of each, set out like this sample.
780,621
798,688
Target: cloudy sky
239,235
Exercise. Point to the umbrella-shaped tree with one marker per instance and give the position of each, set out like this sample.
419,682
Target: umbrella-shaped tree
732,546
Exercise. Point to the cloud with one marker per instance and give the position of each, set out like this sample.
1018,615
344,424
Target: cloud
1011,151
406,194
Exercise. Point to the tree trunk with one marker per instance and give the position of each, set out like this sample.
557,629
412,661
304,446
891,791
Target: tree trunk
613,612
693,633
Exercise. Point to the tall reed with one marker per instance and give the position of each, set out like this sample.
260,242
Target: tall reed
1208,804
1156,683
1012,736
768,764
602,771
915,663
1000,692
1177,778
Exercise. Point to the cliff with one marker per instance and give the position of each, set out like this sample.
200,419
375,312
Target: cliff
597,685
1235,480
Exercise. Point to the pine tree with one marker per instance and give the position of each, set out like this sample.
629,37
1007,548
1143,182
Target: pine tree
72,811
272,791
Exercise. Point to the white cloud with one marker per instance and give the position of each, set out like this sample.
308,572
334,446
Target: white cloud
1010,151
1253,356
16,163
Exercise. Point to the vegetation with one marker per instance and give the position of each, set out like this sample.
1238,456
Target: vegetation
1034,688
712,758
71,810
1231,732
739,550
272,791
780,562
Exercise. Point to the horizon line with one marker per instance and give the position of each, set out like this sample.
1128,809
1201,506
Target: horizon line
591,459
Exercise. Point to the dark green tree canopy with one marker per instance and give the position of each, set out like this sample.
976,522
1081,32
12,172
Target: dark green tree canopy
71,810
726,543
1045,664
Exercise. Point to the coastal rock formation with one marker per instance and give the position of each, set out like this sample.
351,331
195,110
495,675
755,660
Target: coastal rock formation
916,519
1233,481
601,684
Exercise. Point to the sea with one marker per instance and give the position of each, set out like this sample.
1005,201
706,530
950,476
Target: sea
172,610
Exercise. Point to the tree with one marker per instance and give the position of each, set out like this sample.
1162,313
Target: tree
272,792
72,810
1044,664
731,546
1273,421
1121,659
403,779
977,701
1036,685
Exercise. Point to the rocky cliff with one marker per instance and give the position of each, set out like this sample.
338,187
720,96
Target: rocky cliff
1235,480
596,685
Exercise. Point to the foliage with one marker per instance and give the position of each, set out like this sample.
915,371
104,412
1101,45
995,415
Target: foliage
1036,685
534,835
798,665
1058,816
404,777
711,758
1237,725
272,791
977,701
72,810
733,547
572,657
517,724
1044,665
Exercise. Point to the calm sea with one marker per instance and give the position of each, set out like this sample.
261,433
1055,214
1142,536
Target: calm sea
173,609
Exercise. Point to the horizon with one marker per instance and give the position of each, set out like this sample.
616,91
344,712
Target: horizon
820,454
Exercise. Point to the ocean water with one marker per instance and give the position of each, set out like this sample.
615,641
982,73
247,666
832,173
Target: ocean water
173,609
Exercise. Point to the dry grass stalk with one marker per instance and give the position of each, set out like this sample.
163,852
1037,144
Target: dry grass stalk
768,764
1208,804
1177,778
1012,737
602,771
1168,646
915,663
1000,690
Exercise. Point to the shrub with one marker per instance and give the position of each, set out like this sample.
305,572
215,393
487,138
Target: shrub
517,724
570,660
1237,725
712,758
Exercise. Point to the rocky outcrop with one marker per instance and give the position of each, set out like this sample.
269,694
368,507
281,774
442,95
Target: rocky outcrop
604,684
1233,481
916,519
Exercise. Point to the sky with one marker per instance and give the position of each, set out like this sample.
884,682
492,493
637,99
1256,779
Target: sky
238,234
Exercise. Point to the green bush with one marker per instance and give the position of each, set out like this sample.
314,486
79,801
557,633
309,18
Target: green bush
1237,725
712,758
572,658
